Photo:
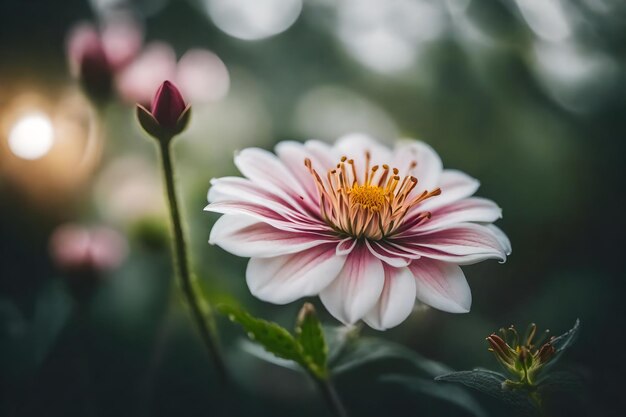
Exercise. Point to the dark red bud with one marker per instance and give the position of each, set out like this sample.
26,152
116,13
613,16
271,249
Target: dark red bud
168,106
95,70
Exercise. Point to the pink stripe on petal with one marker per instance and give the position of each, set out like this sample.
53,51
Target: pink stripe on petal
463,244
388,255
346,246
441,285
357,288
241,189
286,278
472,209
396,300
245,236
233,190
293,155
265,215
264,168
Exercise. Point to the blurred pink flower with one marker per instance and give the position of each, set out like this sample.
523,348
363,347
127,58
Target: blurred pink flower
367,228
95,56
114,46
76,248
200,74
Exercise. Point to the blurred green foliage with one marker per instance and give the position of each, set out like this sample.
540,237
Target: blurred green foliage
541,129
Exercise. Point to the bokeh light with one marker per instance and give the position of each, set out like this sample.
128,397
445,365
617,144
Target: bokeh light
328,112
32,136
253,19
387,36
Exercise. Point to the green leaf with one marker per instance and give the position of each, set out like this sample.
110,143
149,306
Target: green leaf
492,384
260,353
274,338
310,336
367,350
445,392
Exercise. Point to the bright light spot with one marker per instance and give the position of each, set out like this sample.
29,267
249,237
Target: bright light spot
253,19
547,18
202,76
329,112
387,36
32,136
575,77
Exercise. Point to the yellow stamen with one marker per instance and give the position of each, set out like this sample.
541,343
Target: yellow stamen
374,207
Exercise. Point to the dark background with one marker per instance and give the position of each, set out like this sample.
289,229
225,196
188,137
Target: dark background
543,131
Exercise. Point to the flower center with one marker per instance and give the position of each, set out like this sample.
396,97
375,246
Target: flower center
370,197
372,205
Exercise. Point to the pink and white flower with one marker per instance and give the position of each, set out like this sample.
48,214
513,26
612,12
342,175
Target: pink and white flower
366,228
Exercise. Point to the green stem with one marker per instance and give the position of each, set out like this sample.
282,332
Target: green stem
181,262
327,389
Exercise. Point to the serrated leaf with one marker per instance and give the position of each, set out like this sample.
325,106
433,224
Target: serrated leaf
490,383
445,392
367,350
310,335
274,338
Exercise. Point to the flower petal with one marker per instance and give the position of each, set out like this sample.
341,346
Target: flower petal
467,210
283,279
396,300
246,236
502,238
264,168
233,194
454,185
322,152
441,285
463,244
293,155
388,255
346,246
357,288
429,166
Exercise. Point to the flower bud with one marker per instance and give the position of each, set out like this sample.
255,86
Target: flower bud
89,62
168,114
95,73
523,358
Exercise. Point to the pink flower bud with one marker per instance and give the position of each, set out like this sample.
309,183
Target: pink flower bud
95,71
168,114
88,60
97,56
168,105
